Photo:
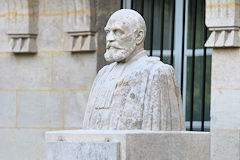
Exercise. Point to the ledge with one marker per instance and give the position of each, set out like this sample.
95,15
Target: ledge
133,144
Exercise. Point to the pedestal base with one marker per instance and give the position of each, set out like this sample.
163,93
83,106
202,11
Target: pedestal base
127,145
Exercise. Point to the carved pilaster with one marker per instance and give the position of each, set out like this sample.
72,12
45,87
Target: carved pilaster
79,24
223,19
22,25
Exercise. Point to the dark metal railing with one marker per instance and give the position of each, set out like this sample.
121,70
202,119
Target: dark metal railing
182,52
193,64
183,44
204,76
152,25
173,32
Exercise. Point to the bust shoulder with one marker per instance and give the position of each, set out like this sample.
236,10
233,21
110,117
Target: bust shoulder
155,65
106,68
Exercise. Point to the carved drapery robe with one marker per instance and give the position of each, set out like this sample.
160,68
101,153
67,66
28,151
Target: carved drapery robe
142,93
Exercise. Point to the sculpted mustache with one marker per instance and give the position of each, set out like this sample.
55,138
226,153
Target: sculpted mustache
113,46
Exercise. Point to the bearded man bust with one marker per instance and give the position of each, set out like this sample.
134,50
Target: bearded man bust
135,91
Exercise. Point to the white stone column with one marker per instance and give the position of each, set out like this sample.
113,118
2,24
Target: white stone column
223,19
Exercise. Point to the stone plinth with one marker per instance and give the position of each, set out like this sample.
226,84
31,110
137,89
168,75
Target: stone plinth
127,145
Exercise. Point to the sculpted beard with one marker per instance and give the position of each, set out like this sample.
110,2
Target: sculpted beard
117,54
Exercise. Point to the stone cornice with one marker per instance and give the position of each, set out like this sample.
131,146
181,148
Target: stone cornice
81,41
224,37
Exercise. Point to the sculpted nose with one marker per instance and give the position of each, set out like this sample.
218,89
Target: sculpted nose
110,36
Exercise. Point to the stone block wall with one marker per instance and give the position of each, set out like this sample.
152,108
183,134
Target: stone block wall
42,86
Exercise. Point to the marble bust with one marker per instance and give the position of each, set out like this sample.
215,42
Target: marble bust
135,91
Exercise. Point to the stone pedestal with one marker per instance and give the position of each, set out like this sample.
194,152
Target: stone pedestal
127,145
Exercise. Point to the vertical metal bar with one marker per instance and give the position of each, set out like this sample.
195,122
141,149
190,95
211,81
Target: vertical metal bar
142,7
131,4
162,31
121,4
183,45
193,64
173,33
151,31
204,73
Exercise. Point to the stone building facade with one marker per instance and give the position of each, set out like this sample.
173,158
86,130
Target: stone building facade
50,51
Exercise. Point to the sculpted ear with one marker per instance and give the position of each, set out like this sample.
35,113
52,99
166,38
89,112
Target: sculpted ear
140,37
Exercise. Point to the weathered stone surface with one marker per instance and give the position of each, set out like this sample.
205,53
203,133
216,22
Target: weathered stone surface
3,8
222,17
136,91
8,109
225,104
23,16
25,71
51,36
3,29
80,42
40,109
225,68
83,151
222,13
225,144
22,144
169,146
23,25
70,71
219,38
75,105
51,8
22,43
79,23
220,112
143,145
80,17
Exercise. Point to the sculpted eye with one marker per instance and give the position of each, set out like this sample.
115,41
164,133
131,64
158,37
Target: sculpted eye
107,31
118,32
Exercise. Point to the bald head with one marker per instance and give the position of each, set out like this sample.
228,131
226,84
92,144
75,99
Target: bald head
130,18
126,30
